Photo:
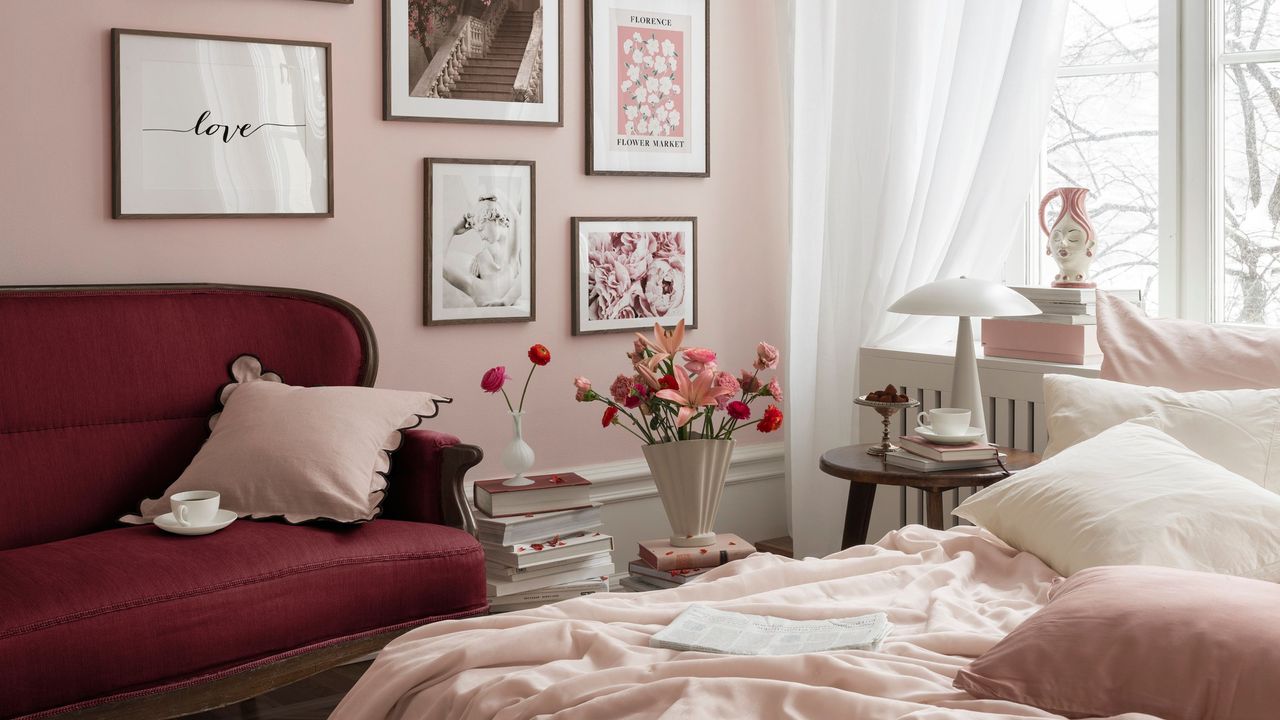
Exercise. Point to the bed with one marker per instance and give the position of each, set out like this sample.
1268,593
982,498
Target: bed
950,594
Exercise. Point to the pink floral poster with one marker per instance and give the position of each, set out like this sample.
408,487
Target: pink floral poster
632,272
648,100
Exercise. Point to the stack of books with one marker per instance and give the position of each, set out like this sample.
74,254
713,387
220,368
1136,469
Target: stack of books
918,454
542,542
662,565
1066,331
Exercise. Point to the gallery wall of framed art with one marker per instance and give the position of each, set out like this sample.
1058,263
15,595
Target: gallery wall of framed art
648,87
208,126
483,61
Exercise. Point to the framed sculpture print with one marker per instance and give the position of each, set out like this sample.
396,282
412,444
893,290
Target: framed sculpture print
487,61
629,273
479,249
648,105
212,126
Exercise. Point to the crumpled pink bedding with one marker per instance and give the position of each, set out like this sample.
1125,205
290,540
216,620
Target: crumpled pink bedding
951,595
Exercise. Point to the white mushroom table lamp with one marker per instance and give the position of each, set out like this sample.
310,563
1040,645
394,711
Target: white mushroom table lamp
965,298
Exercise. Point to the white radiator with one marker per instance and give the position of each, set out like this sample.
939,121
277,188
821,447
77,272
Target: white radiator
1015,414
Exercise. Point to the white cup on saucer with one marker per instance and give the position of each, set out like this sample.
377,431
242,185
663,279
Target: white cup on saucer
194,508
946,421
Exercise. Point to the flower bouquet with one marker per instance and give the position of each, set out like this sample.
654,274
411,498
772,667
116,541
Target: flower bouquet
686,415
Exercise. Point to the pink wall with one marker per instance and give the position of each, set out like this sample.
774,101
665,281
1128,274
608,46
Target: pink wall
55,200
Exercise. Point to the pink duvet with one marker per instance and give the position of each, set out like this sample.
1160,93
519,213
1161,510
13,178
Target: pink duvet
951,595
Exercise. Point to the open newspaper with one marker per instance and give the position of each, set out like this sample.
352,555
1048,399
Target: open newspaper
706,629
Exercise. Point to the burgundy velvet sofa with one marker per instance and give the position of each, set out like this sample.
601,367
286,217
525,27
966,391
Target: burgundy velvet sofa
104,396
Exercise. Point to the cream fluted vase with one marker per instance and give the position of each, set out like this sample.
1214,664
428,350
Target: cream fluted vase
690,478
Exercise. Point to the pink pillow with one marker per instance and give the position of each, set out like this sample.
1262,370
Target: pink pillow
1171,643
1182,354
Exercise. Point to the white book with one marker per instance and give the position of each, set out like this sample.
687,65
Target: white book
705,629
536,527
902,458
502,586
543,596
523,555
1072,295
499,571
1060,319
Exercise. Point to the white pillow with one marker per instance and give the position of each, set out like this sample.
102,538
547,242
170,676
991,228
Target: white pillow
1238,429
1133,495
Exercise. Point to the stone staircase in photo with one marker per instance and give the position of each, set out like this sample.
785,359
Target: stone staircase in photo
492,75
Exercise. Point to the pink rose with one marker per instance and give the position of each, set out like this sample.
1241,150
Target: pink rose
620,389
774,389
698,359
750,383
738,410
725,380
766,356
585,392
493,379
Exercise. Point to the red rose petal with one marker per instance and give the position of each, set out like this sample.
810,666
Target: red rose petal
537,546
671,552
702,551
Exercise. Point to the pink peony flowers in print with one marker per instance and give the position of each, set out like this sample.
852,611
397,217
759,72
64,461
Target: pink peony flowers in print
675,392
628,278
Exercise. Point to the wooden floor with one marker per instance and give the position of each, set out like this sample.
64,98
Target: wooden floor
310,699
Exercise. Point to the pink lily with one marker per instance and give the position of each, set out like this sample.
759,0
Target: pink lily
692,394
663,341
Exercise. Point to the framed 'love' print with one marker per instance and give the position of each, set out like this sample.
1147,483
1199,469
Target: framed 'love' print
213,126
648,104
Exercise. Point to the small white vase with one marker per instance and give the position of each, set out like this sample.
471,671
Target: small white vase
690,479
518,456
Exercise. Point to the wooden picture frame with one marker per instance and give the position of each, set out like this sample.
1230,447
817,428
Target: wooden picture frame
307,143
410,95
664,254
468,214
616,144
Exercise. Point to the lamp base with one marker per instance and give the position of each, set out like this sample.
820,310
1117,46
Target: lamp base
966,389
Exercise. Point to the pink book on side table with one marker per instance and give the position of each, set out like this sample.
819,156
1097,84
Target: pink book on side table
944,453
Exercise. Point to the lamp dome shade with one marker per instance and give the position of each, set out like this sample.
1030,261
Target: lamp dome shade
964,297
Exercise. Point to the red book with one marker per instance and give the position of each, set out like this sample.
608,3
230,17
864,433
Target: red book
662,555
559,491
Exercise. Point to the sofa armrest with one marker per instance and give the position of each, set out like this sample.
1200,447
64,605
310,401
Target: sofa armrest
426,480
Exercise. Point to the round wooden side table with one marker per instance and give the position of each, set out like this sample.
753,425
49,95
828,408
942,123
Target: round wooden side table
864,472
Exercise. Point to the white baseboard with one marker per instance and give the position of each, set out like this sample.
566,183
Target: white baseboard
631,480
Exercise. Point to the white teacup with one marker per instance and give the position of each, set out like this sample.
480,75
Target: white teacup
195,507
946,421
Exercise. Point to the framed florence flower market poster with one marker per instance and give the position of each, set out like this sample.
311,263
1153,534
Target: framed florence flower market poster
484,61
648,106
629,273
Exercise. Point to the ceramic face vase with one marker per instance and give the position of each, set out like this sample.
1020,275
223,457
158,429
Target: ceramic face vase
1072,240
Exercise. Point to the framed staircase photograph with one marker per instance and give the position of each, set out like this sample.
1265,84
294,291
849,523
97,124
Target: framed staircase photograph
483,61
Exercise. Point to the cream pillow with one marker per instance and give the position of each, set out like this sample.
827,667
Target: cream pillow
1238,429
301,453
1133,495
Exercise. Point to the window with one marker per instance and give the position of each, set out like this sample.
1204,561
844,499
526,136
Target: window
1169,112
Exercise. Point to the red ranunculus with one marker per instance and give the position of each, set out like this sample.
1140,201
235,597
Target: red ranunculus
771,421
668,382
738,410
610,413
539,355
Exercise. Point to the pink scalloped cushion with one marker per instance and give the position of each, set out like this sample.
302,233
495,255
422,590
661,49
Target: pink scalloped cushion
1177,644
301,453
1181,354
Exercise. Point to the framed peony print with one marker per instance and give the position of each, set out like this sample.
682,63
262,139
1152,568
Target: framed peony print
479,246
648,106
480,61
629,273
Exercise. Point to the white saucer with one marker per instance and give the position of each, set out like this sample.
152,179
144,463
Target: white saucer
167,523
974,434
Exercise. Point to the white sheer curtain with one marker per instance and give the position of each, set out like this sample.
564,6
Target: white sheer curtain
915,129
